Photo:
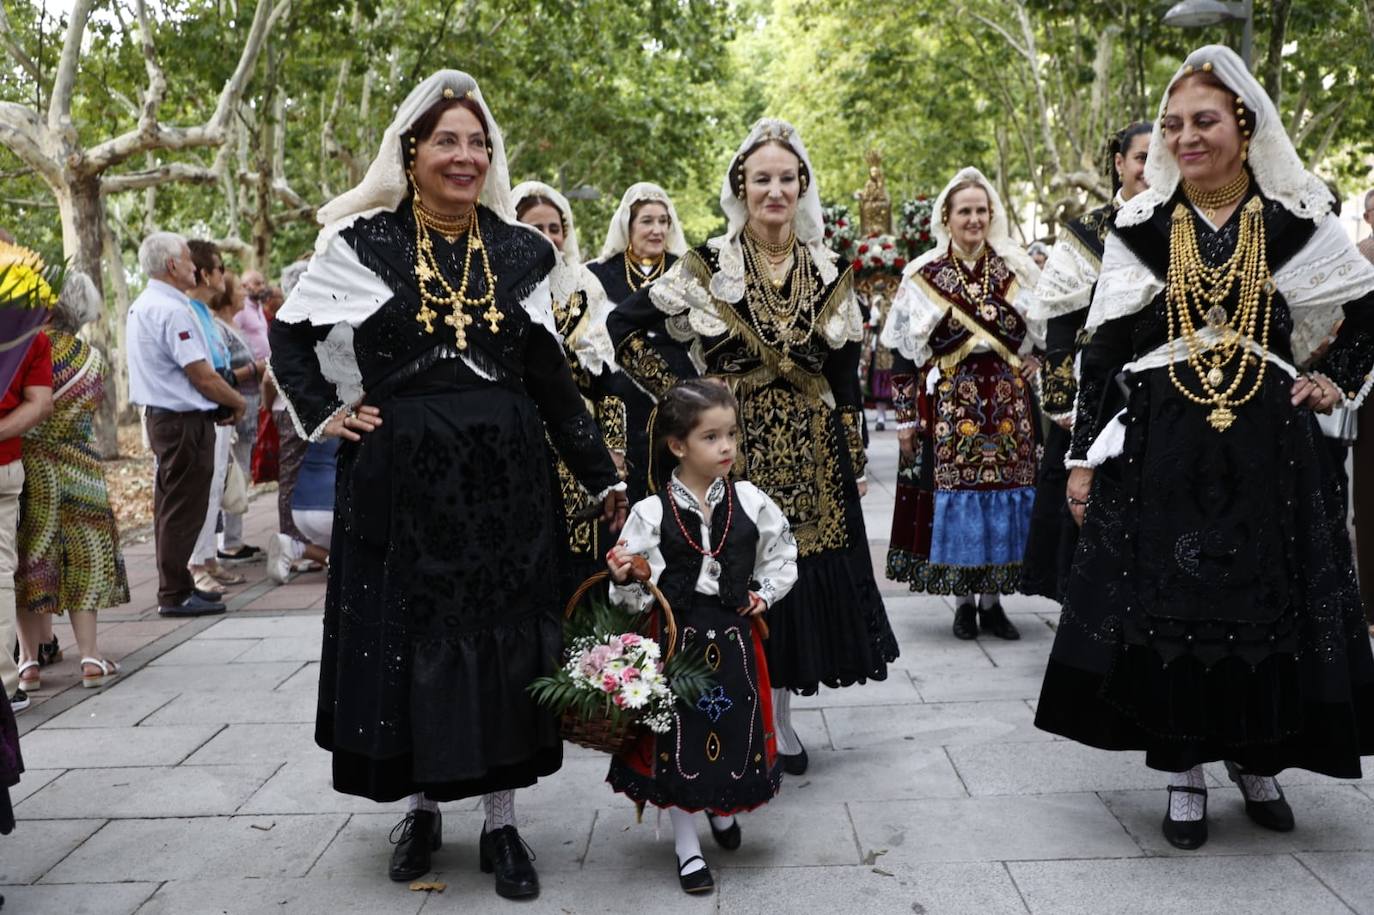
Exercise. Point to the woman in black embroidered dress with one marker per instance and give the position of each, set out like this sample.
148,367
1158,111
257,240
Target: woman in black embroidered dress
579,315
1061,300
1211,611
643,240
439,611
771,311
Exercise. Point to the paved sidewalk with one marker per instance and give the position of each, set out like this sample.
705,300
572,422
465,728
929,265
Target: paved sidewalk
192,785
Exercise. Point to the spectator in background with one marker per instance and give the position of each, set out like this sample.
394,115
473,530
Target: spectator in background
1039,252
172,377
1367,246
209,264
312,510
69,556
290,456
248,371
25,404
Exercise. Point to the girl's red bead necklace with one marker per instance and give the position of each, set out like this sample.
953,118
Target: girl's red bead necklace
714,567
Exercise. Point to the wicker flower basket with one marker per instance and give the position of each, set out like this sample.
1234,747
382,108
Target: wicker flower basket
603,732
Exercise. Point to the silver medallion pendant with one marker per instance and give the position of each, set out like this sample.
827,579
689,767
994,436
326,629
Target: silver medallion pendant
713,569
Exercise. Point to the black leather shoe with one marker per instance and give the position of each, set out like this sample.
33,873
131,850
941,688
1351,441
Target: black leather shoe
1186,834
505,853
195,605
727,838
994,620
698,881
1275,815
416,838
795,763
965,622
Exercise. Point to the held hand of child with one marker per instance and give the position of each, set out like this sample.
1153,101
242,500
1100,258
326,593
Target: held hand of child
625,567
756,606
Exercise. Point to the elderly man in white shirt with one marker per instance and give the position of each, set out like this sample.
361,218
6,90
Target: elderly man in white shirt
171,376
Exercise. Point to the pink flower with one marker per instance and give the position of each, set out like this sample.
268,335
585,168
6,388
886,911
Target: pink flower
630,639
629,674
619,700
610,683
615,646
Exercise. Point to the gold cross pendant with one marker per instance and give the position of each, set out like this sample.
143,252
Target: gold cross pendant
459,321
426,317
493,317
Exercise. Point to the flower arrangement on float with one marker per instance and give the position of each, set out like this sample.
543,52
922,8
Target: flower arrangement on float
613,682
28,292
881,253
914,225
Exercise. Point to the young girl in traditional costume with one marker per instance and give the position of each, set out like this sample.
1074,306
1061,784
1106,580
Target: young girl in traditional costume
721,553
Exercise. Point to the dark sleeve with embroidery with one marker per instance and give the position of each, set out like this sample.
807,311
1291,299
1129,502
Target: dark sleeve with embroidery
1099,398
903,380
643,348
313,399
841,370
1058,387
1350,358
571,428
609,407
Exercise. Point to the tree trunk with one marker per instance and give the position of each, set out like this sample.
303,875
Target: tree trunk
83,235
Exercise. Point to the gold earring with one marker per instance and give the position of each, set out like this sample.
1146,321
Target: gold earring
1244,150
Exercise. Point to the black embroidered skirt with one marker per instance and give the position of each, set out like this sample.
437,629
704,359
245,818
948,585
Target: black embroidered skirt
720,754
441,609
1053,533
1211,611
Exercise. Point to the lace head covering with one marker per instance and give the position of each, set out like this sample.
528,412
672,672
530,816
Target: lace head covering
571,253
384,185
1273,161
728,283
618,233
998,236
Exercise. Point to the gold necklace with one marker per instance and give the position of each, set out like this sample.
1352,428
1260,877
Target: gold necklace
1193,286
565,313
1210,202
634,278
777,318
974,293
428,274
776,253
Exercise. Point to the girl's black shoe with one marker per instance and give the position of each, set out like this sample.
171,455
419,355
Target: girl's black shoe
727,838
795,763
698,881
1186,834
416,837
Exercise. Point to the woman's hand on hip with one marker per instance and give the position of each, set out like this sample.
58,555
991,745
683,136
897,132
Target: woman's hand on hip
354,422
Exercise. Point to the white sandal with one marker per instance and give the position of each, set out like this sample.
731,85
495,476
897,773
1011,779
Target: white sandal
30,685
108,669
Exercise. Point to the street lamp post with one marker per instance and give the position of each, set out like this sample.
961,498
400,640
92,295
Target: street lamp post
1196,14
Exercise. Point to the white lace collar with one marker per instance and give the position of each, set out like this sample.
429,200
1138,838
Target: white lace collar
715,494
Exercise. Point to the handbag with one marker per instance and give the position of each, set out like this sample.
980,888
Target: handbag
266,449
235,498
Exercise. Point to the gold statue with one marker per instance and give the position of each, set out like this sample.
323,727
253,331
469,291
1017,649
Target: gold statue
875,207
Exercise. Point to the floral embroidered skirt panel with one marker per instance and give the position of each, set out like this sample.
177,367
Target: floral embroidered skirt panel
1212,611
964,498
720,754
441,608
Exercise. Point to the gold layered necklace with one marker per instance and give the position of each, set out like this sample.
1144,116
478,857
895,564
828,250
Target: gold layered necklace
1196,295
778,254
435,291
782,321
653,269
974,292
1212,202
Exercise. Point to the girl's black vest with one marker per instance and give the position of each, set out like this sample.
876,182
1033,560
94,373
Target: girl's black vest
683,563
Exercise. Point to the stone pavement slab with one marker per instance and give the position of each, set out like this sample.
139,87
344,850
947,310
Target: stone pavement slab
264,707
89,748
932,725
148,791
1271,884
342,894
1347,874
78,898
199,848
44,844
991,829
946,889
243,744
1050,767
